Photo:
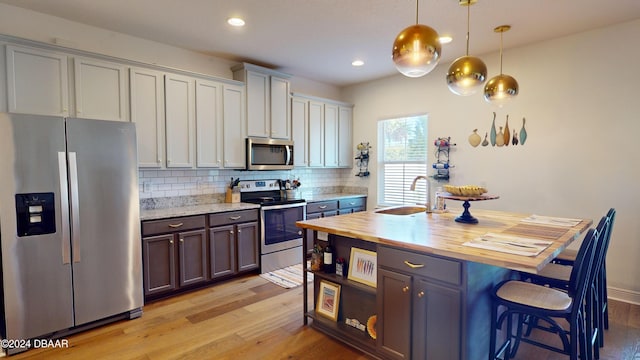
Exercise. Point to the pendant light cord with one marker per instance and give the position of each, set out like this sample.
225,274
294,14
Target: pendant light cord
417,2
468,19
502,32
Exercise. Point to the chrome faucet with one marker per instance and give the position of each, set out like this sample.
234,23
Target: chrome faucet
413,188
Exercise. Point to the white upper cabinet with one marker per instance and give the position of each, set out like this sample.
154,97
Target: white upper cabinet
280,116
37,81
258,105
100,91
235,130
299,130
345,136
330,135
180,121
147,112
209,115
268,104
322,132
316,134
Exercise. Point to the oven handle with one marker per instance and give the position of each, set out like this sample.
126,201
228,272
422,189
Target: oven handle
283,206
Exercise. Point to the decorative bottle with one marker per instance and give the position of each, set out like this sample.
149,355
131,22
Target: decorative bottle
329,265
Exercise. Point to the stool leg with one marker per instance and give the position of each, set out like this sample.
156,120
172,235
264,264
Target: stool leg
494,329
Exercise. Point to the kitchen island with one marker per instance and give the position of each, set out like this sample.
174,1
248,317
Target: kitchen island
432,294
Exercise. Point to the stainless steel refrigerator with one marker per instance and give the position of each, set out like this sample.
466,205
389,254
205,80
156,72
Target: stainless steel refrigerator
70,224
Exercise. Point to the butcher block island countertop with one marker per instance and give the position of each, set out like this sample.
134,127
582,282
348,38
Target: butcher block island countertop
439,234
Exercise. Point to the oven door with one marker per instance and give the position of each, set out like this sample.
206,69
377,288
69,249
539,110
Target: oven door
278,226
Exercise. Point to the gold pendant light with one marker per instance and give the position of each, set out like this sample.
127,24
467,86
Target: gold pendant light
502,88
466,74
416,50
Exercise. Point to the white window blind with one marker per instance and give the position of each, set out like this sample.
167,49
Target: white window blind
402,157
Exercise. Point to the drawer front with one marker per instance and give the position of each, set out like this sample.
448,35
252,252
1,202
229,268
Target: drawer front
232,217
322,206
449,271
164,226
350,203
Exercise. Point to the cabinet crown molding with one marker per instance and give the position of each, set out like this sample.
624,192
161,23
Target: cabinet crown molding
261,69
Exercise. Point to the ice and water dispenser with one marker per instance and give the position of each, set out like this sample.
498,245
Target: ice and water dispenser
35,214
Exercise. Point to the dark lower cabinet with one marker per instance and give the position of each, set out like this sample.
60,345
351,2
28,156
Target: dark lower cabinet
159,262
176,258
247,246
418,319
419,304
192,252
233,241
222,251
188,252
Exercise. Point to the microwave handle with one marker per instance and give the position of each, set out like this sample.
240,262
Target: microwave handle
288,149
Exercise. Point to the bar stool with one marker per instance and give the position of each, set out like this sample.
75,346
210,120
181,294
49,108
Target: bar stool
555,274
527,300
567,257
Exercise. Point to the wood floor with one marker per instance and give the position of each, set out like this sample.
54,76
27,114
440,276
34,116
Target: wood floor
250,318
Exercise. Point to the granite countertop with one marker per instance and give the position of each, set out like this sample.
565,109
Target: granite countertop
194,210
175,211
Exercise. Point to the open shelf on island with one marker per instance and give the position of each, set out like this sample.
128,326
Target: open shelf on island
344,281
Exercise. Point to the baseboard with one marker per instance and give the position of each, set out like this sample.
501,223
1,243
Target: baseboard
624,295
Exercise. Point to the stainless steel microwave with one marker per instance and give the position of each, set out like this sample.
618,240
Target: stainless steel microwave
269,154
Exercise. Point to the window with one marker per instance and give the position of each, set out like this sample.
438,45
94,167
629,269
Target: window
402,157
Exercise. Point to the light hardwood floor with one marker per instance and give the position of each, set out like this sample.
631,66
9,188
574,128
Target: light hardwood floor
250,318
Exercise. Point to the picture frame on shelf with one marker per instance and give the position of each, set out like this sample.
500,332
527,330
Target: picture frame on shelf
328,302
363,266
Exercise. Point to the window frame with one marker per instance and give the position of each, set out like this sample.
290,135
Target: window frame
407,196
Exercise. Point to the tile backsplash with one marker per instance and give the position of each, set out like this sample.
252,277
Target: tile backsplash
164,188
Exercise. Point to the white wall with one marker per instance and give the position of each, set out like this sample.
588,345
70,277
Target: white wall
35,26
579,95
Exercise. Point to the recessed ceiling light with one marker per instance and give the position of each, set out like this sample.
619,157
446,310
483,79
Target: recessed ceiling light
445,39
357,63
235,21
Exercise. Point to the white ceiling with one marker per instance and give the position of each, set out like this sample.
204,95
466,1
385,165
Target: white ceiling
318,39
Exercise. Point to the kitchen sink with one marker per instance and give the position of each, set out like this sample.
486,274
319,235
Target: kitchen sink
402,210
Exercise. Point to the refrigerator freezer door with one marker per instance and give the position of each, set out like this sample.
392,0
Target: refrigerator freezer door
36,279
107,270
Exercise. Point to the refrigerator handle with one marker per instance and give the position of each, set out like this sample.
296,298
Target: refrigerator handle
64,207
75,206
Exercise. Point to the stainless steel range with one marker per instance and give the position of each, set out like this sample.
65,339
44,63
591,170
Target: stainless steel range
280,238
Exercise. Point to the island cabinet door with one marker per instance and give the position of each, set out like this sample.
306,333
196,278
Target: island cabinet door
394,314
436,321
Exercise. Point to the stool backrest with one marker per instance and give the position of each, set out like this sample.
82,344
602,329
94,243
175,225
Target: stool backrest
582,266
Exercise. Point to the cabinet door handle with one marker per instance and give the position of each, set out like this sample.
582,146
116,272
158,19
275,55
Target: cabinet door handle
413,266
235,217
405,289
171,242
230,231
322,206
239,231
420,294
176,225
352,203
181,240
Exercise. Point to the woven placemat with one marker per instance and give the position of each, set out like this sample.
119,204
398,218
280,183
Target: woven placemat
542,232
